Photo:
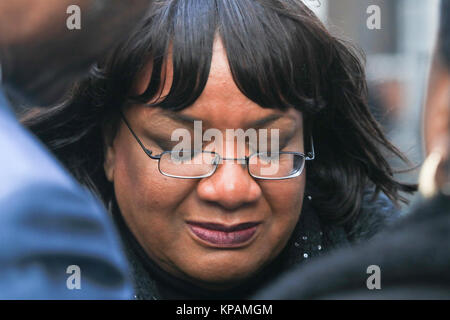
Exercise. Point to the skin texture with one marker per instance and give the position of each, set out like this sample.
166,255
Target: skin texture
437,116
156,207
41,58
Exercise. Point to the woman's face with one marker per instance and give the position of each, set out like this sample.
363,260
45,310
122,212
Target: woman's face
163,212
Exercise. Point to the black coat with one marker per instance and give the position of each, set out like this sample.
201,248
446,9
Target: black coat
311,238
413,256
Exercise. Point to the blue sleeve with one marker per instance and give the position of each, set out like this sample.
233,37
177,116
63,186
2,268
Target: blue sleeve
48,223
44,229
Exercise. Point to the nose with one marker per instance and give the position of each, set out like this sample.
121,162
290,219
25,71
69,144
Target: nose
231,186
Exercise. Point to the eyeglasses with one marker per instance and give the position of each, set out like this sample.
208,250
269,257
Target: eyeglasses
187,164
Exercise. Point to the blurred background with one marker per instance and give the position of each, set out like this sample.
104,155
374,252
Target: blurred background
398,57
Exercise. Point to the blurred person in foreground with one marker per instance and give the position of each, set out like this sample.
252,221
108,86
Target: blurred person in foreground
47,221
414,255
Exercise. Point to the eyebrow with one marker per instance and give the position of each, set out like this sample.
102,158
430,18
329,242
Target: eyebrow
188,120
261,123
180,118
285,138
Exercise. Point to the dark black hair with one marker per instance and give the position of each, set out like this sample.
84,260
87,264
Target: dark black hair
444,34
280,56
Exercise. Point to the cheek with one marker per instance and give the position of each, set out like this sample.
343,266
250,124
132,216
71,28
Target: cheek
285,199
140,184
148,200
284,196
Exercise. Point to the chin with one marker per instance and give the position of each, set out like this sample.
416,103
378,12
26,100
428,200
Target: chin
222,273
221,280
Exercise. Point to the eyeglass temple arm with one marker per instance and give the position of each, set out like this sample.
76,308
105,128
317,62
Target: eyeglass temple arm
147,151
311,155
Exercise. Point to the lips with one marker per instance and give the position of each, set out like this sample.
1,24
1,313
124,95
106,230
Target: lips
225,236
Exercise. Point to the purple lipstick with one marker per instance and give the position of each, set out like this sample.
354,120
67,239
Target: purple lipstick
224,236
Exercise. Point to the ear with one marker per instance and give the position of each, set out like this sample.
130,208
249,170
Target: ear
109,153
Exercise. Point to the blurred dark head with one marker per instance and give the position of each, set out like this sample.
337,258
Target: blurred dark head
41,57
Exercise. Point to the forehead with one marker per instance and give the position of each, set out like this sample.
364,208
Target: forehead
221,104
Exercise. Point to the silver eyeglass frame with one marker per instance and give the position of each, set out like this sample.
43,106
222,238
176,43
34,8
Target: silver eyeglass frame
309,156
